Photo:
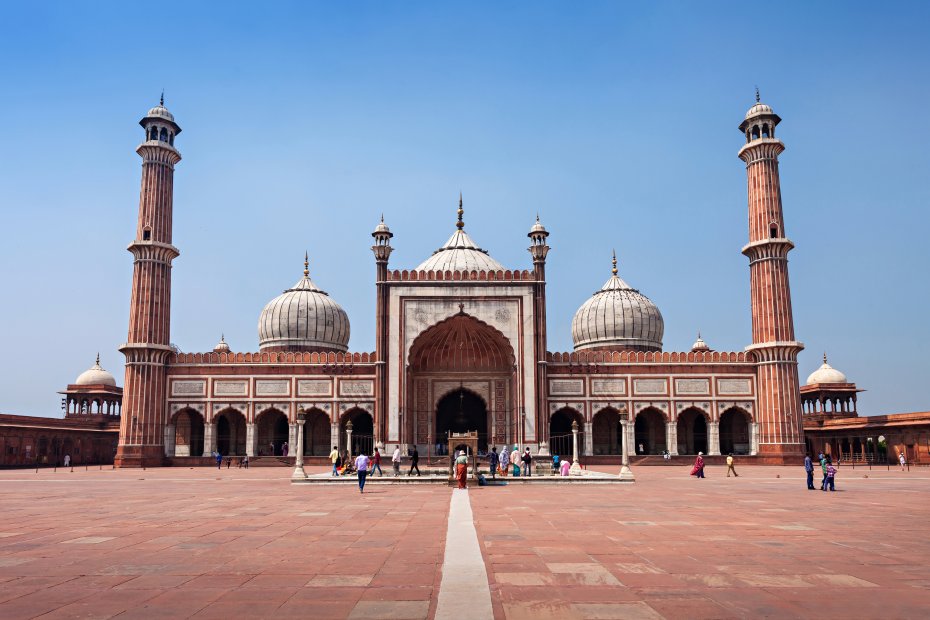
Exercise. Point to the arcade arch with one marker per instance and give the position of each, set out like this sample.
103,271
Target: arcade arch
272,431
317,434
560,432
649,431
363,429
735,434
188,433
692,431
230,433
462,411
607,432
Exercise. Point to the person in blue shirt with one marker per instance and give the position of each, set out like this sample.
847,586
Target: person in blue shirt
809,468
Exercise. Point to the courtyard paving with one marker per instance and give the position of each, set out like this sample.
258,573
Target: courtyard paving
203,543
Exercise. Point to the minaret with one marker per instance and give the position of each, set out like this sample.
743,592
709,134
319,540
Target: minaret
382,250
143,420
773,342
538,250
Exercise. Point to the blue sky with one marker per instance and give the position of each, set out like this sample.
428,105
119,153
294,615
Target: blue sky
615,121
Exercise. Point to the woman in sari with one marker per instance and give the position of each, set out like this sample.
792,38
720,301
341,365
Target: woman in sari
461,469
565,467
698,469
505,461
515,459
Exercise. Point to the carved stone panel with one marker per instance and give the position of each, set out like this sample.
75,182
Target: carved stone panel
230,388
189,388
364,387
608,386
566,387
314,387
734,386
650,386
266,387
692,386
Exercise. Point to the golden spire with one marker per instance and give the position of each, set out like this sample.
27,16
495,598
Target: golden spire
460,224
306,265
614,270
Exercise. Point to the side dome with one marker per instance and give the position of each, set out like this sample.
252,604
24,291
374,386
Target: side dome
826,374
618,317
303,318
95,375
460,253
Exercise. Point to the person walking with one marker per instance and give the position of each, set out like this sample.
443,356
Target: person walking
414,461
68,461
494,460
219,459
361,465
831,476
284,449
809,469
461,469
823,468
698,469
527,460
245,461
504,460
334,457
515,460
271,447
901,459
395,461
376,463
730,466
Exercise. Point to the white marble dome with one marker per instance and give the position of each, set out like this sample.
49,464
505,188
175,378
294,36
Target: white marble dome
826,374
460,253
618,317
303,318
221,346
759,109
95,375
160,111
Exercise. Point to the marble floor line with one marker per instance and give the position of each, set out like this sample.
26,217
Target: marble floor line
464,590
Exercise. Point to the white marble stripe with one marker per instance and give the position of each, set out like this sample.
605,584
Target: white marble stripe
464,590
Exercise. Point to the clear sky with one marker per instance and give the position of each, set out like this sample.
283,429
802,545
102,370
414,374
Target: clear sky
615,121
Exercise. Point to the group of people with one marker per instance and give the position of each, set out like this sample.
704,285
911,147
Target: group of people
698,469
363,465
826,467
242,462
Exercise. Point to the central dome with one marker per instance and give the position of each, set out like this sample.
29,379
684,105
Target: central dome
826,374
618,317
303,318
95,375
460,253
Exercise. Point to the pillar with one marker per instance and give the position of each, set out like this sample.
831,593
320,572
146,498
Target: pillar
251,439
209,439
588,439
671,438
713,438
169,440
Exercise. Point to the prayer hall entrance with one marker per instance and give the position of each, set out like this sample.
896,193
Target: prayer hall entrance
461,377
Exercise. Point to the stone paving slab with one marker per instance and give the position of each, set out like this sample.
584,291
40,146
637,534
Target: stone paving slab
202,543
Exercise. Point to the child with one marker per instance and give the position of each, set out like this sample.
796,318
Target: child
831,476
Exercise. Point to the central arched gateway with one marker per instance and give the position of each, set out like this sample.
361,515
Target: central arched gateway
460,377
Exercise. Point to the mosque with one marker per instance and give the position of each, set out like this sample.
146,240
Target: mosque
461,346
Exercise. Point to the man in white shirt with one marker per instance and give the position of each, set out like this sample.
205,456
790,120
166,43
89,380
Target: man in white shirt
395,461
361,465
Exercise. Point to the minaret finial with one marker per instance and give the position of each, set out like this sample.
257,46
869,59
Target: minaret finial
537,218
161,101
382,218
824,357
614,270
460,224
98,358
699,334
757,95
306,264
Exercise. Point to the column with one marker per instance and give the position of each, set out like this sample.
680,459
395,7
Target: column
630,436
209,439
576,466
291,438
754,450
671,438
169,440
299,473
588,439
251,439
713,439
334,435
626,474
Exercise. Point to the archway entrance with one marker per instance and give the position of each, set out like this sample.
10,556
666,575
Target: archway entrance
188,433
607,432
649,429
561,439
317,434
462,377
462,411
692,432
272,433
734,432
230,433
363,429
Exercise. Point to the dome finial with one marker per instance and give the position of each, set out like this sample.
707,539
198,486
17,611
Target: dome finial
306,264
758,100
161,101
614,262
460,224
824,357
98,358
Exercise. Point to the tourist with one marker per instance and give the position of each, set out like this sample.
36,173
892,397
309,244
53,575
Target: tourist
361,465
527,460
565,467
271,447
376,463
395,461
461,469
347,464
245,461
730,466
228,462
515,460
334,457
68,461
504,460
901,459
823,468
414,461
284,449
641,449
809,468
831,475
698,469
493,462
555,463
666,455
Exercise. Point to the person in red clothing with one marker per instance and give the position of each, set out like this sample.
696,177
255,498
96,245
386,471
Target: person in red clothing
376,463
